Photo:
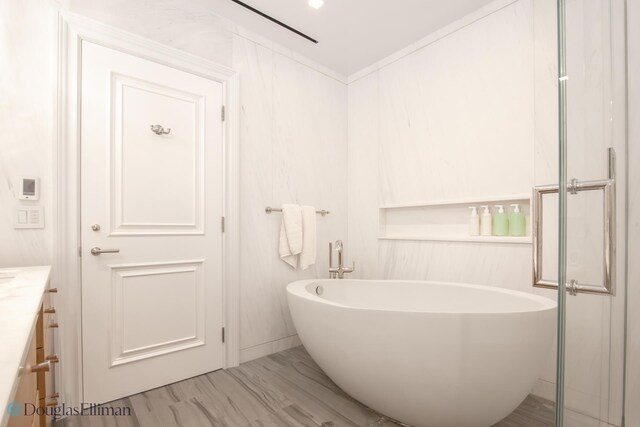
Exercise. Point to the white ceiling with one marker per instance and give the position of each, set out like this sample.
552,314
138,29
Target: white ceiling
352,34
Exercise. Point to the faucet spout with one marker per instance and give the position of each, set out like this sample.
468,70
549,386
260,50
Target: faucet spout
339,247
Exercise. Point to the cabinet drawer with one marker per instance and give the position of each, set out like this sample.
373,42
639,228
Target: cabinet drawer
26,395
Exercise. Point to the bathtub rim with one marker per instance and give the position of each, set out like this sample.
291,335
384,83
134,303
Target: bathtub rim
299,289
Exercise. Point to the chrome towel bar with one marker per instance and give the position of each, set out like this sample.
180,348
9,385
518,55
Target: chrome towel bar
269,210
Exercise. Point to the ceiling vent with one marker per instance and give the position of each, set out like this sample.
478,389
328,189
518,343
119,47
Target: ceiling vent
272,19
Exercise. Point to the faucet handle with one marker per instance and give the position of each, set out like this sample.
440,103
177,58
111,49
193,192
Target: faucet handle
344,270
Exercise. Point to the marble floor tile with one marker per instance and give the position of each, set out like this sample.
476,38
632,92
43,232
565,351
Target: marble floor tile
286,389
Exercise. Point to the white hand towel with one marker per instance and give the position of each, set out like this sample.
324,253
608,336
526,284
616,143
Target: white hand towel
308,254
290,234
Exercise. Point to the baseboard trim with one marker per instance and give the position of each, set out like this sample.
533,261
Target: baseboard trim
261,350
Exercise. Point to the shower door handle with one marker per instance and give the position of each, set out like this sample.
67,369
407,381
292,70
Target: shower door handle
608,188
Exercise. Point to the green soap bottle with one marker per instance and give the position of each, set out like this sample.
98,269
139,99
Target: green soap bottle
500,222
516,222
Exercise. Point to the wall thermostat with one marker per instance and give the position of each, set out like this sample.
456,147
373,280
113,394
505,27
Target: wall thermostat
29,189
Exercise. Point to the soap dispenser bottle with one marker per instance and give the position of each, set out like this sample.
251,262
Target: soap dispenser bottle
516,221
485,221
500,222
474,222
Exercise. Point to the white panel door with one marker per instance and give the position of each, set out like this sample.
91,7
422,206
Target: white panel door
151,312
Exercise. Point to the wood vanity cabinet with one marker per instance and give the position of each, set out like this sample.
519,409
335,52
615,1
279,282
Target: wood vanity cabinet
36,386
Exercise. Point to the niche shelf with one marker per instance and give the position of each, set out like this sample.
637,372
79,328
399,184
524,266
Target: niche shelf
447,220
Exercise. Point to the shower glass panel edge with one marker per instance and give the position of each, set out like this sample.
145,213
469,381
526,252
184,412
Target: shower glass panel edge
562,212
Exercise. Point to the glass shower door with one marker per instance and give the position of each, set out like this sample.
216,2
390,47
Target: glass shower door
591,213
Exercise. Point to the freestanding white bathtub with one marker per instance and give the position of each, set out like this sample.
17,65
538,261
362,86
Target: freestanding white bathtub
426,353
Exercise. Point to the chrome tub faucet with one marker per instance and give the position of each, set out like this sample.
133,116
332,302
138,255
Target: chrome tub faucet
339,271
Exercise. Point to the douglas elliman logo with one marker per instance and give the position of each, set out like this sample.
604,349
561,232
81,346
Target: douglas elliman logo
15,409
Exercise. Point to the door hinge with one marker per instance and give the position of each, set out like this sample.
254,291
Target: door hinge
222,224
222,114
223,334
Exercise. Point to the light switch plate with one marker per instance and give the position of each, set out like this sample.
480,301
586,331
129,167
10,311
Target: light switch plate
28,217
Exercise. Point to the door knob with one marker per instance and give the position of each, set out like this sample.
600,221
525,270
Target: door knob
97,251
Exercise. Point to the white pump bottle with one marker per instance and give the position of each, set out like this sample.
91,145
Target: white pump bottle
474,222
485,221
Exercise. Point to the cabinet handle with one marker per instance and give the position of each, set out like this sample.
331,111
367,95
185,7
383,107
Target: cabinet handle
53,325
52,290
53,358
40,367
50,310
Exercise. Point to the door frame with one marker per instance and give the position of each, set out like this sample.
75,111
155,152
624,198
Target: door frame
73,29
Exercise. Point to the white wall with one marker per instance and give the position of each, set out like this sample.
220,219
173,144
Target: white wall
469,112
364,143
293,149
26,112
454,120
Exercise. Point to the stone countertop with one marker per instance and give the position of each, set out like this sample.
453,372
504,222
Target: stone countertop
20,299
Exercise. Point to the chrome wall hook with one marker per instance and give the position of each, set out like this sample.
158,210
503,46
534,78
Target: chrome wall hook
159,130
